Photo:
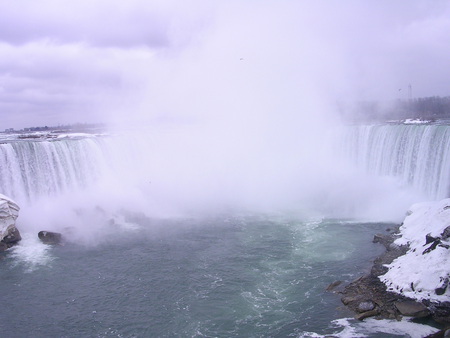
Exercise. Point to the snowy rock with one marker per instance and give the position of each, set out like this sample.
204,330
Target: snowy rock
365,306
9,211
423,271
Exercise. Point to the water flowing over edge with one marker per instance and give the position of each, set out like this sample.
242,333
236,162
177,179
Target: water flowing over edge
370,172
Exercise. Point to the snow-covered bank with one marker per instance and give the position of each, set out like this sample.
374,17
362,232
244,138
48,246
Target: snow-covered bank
9,211
424,271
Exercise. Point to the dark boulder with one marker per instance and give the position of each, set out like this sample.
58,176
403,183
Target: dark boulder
411,308
12,237
367,314
334,285
445,333
3,246
445,235
440,290
49,237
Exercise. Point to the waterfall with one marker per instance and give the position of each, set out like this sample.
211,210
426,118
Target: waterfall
30,169
168,171
418,155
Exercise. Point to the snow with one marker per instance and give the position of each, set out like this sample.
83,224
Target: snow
416,121
417,274
46,135
75,135
352,328
9,211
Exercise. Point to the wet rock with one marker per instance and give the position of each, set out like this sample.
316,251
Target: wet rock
349,300
12,237
441,312
379,269
445,333
3,246
364,315
411,308
443,287
49,237
333,285
386,240
378,238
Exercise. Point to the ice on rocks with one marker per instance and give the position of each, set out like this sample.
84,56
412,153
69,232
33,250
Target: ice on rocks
9,211
420,272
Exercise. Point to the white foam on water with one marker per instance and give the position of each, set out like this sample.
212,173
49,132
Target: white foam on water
31,253
402,328
351,328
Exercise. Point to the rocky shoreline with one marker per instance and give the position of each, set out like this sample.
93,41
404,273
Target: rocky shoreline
368,296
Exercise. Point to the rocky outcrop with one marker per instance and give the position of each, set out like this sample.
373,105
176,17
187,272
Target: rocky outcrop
412,309
422,273
49,237
368,296
9,234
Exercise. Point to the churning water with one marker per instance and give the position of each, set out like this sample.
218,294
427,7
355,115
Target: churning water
246,276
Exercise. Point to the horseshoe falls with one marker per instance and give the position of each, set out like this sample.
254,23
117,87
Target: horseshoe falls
31,169
418,155
167,236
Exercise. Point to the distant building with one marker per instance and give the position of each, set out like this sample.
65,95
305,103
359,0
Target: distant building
9,130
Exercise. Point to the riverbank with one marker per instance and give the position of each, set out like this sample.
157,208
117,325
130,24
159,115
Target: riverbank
411,278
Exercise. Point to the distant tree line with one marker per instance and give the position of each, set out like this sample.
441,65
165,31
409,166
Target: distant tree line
424,108
77,127
429,108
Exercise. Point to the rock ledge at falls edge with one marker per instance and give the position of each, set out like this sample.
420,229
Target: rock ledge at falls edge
9,234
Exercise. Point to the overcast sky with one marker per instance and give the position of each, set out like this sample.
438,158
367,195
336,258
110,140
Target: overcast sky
177,61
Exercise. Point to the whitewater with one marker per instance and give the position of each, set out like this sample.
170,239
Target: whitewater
169,235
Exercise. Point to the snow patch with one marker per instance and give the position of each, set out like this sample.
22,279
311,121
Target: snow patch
418,273
415,121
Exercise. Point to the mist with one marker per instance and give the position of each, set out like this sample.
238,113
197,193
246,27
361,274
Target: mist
196,172
230,106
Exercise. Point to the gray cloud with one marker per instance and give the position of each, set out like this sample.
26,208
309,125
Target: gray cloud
101,23
113,60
